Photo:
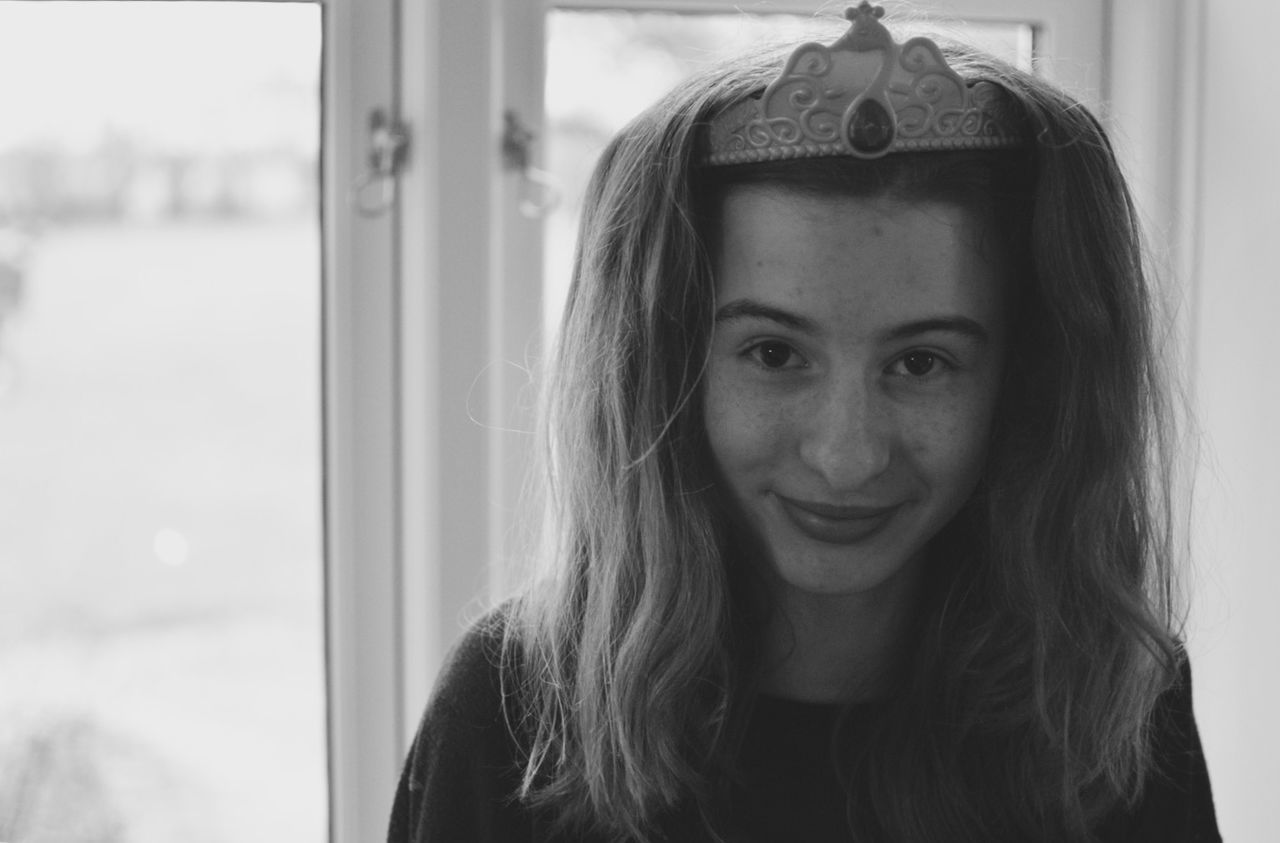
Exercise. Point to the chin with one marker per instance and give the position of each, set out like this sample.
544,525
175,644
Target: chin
844,575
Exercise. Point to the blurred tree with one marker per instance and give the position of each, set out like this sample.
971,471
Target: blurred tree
52,789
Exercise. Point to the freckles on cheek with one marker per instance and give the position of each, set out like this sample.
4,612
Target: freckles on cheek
716,417
956,433
739,427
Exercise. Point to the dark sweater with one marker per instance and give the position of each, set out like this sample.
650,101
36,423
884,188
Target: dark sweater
459,780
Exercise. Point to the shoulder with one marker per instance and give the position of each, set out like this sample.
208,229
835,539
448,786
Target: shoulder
468,690
1178,762
469,708
463,771
1173,721
1176,805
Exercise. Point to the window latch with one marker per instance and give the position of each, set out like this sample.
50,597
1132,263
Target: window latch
538,193
374,191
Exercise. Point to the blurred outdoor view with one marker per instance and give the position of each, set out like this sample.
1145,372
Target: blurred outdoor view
161,623
606,66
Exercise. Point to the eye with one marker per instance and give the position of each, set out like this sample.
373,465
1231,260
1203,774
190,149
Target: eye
775,354
918,364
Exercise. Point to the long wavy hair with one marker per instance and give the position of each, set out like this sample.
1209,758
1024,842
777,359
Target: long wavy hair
1024,710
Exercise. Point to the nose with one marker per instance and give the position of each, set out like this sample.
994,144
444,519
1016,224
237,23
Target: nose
848,436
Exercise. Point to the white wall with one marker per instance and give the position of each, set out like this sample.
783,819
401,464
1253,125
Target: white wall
1236,632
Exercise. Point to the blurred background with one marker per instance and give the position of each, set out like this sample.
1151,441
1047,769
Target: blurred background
161,637
169,233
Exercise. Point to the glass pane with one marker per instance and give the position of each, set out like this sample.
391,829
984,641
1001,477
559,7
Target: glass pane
605,67
161,620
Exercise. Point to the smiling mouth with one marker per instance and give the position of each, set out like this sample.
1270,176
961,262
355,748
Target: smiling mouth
833,524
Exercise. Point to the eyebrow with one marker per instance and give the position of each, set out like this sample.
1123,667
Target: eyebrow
751,309
962,325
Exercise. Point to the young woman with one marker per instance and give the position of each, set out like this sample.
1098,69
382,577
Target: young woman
855,470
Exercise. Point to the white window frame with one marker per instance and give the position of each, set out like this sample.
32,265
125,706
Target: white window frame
424,304
362,474
408,315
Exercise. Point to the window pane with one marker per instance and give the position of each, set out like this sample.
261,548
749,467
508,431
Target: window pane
605,67
161,638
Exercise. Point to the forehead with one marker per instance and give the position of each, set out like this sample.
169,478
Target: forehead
860,258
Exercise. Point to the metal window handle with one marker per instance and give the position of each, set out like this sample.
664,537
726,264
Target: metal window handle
374,191
538,193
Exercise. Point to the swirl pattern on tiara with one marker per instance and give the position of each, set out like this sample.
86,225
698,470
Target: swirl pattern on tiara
864,96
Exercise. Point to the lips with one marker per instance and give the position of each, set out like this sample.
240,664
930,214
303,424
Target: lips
833,524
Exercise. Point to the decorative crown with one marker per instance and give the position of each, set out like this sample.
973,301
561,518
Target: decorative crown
864,96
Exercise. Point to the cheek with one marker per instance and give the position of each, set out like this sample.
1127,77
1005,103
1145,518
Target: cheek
951,444
743,433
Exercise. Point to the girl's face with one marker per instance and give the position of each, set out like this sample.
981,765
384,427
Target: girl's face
854,369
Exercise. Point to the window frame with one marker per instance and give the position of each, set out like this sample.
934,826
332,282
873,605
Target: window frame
361,460
407,311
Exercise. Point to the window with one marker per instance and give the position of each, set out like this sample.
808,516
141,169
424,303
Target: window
347,309
162,653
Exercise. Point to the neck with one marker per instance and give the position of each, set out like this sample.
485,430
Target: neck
840,648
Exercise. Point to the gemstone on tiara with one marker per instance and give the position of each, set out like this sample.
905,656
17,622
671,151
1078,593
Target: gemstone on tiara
864,96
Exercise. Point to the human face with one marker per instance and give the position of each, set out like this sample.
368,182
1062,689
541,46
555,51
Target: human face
854,368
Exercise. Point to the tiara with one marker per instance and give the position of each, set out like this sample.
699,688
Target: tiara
865,96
